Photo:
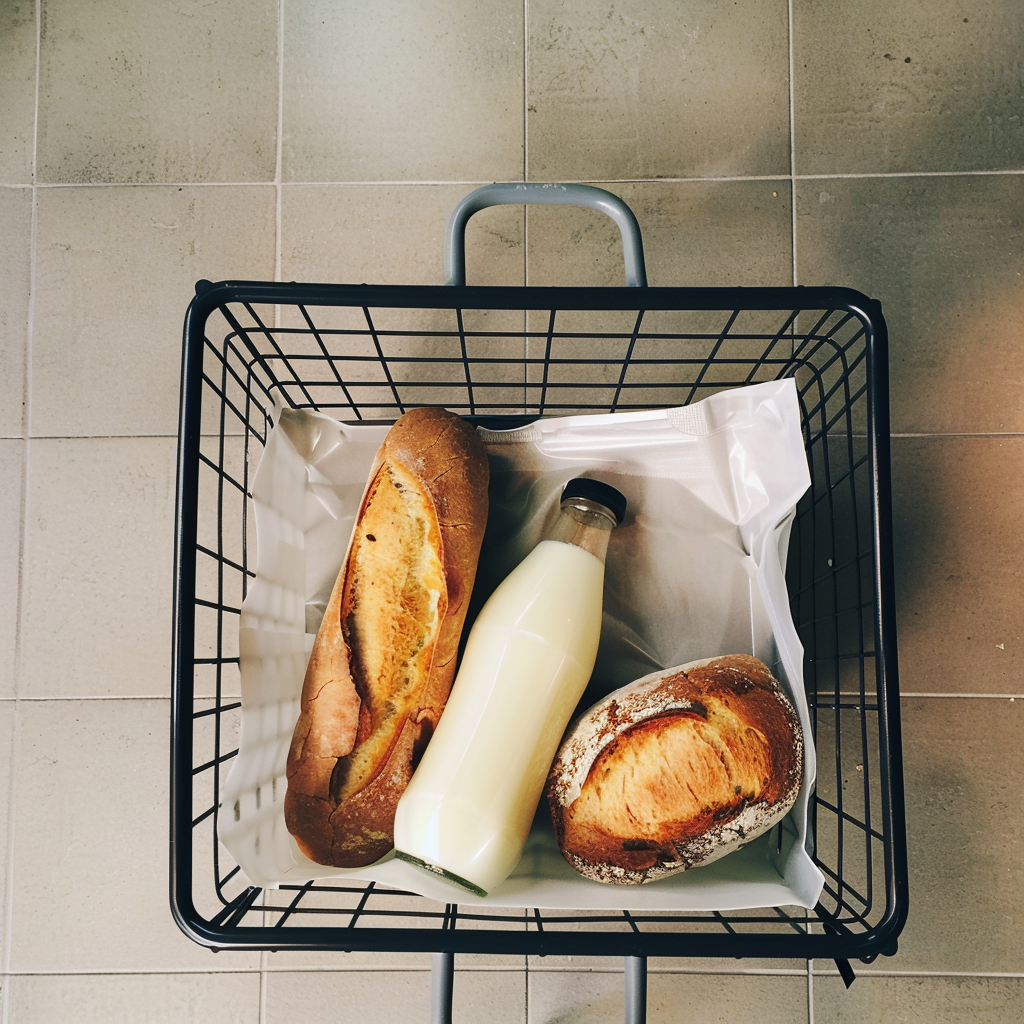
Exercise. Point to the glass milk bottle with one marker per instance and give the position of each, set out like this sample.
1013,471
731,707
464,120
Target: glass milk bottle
467,812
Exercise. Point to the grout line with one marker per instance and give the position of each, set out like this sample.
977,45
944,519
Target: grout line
262,183
284,969
1002,433
8,875
526,208
527,969
912,174
961,696
35,112
391,969
127,972
25,479
526,89
12,794
30,327
862,972
262,1013
115,437
802,177
526,990
278,161
112,696
667,180
26,414
689,972
854,694
526,136
810,992
792,144
526,165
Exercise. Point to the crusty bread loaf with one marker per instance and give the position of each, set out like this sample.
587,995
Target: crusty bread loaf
675,770
384,657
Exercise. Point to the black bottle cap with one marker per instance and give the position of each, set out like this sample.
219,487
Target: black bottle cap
597,490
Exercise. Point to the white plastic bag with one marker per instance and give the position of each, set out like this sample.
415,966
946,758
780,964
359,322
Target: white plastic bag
697,569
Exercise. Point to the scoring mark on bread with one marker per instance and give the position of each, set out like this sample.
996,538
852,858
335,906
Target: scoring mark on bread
392,606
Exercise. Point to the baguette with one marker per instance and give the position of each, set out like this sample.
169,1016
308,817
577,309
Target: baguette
384,656
675,770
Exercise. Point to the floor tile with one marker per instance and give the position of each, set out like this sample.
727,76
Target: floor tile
135,998
7,710
397,959
393,234
416,96
374,996
694,234
15,272
592,997
99,541
958,545
942,256
116,270
963,835
369,997
906,87
669,964
489,995
91,827
18,87
649,91
158,92
925,1000
12,455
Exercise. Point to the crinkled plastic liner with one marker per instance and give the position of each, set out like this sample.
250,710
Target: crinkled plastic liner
696,570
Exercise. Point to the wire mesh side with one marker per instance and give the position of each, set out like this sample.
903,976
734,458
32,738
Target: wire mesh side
372,364
836,607
362,363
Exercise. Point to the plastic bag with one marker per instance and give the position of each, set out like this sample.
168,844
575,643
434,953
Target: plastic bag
697,569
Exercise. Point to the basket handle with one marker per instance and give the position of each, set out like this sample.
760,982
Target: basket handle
501,194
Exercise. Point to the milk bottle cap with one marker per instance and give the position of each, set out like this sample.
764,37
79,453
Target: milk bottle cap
599,491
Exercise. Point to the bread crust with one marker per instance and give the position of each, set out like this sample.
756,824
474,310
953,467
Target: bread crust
384,656
675,770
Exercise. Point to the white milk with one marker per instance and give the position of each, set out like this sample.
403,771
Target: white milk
468,809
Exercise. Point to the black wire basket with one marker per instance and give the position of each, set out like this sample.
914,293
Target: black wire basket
504,356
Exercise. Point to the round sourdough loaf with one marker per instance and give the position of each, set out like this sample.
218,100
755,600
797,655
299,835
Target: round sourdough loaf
675,770
384,657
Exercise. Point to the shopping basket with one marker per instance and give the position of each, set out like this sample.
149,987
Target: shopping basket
504,356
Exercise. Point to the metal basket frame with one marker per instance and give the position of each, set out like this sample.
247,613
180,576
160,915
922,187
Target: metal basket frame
503,356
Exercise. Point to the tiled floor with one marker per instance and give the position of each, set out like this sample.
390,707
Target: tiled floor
875,143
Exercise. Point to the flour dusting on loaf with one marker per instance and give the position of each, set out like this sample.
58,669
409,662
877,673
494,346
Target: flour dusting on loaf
676,770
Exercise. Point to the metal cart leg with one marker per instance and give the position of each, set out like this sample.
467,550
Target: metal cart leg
442,978
636,989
